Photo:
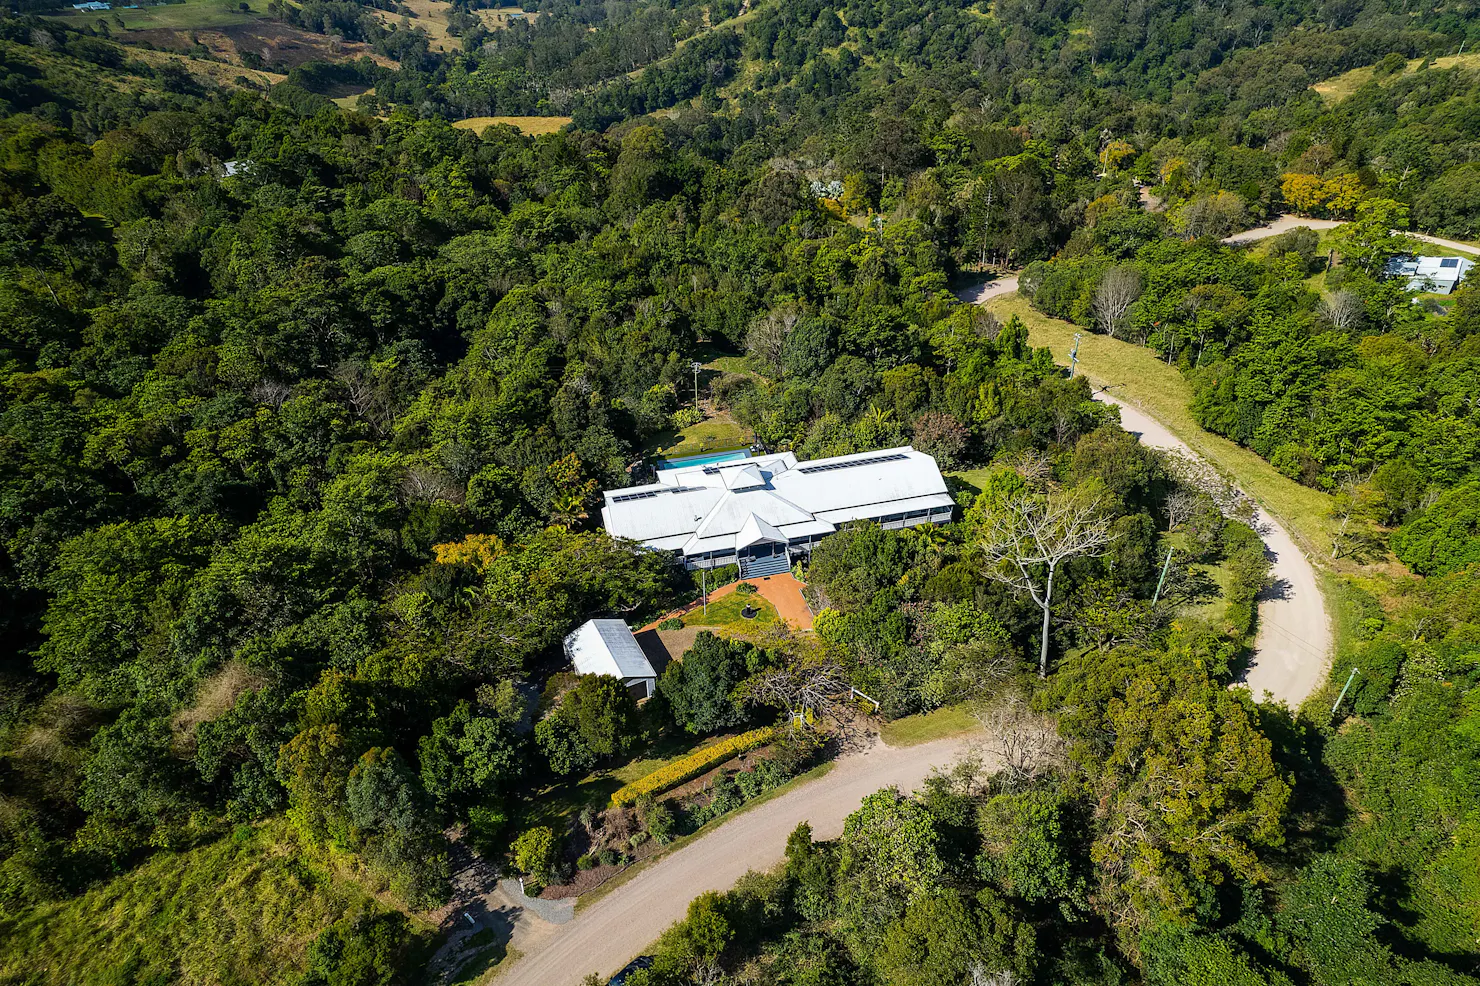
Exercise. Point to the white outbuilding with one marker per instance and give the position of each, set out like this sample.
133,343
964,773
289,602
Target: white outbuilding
608,647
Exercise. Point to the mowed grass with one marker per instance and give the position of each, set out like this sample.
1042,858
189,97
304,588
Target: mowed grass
532,125
1138,377
952,720
244,909
726,610
1339,87
719,433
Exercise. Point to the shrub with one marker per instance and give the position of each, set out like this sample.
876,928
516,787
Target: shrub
691,766
746,589
660,823
672,623
637,839
586,862
535,852
609,857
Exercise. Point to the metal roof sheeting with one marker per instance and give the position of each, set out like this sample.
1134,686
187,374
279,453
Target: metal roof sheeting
711,508
607,647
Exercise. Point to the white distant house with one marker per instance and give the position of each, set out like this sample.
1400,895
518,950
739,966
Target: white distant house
608,647
760,513
1437,275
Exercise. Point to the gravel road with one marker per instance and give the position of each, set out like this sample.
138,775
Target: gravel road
611,932
1292,648
1289,222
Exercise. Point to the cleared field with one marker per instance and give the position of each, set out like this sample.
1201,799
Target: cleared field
431,16
532,125
220,73
1338,87
188,16
1139,377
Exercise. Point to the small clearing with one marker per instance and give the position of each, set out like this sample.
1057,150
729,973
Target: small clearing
1338,87
531,125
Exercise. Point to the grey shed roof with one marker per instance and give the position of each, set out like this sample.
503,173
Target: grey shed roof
607,647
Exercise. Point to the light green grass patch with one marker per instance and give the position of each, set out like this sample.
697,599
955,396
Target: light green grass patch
726,610
191,15
952,720
1140,378
1339,87
718,434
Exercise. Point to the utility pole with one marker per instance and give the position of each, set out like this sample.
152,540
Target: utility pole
1337,704
1074,355
1163,580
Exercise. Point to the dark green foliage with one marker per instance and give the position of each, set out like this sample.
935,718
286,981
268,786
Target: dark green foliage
698,687
595,720
1443,537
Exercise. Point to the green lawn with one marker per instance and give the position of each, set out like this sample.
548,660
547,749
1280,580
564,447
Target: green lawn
718,434
953,720
1140,378
726,609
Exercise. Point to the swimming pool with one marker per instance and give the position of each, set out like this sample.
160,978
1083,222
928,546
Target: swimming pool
704,460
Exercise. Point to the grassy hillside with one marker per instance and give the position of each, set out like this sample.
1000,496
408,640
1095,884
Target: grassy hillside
246,909
1337,88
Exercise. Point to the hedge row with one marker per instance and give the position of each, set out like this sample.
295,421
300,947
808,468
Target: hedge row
691,766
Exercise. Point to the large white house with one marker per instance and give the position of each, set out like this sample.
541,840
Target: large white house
762,512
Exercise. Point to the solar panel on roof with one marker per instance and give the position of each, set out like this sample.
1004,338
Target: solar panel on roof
1449,262
646,494
873,460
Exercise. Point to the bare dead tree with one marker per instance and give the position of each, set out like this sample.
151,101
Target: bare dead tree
1034,466
798,687
981,976
1344,310
1181,506
767,335
1027,541
1118,290
1027,743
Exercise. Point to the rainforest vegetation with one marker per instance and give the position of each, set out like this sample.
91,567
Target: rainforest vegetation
305,412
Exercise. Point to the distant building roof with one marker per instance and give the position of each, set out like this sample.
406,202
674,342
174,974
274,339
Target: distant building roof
1438,275
727,506
608,647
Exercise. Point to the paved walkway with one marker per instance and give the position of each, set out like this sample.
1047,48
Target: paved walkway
782,591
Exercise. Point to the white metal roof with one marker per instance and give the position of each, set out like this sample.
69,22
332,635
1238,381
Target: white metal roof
607,647
731,505
1437,274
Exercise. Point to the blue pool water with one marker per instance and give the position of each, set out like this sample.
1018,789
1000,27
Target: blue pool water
704,460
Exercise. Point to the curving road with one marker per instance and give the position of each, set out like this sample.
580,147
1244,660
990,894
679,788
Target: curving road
609,933
1293,644
1288,222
